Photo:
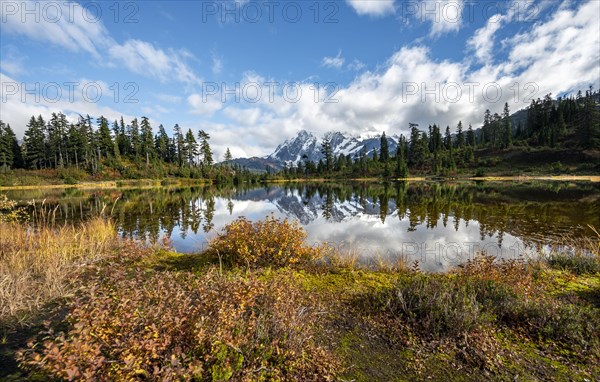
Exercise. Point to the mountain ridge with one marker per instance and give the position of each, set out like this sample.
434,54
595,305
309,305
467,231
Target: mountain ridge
306,146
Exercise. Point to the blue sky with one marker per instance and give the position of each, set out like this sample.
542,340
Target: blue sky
234,68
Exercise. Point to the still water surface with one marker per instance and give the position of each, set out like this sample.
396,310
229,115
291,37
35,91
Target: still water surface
439,225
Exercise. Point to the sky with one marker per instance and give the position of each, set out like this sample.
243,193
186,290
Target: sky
254,73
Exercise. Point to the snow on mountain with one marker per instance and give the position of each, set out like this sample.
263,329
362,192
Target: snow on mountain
307,146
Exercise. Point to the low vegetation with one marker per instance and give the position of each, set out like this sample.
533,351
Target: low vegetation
267,243
262,305
37,263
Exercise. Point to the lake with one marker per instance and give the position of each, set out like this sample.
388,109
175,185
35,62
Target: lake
438,224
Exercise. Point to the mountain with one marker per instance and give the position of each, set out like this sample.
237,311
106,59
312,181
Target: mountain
307,146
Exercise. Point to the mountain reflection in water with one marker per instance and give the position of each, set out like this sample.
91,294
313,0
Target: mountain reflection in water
438,224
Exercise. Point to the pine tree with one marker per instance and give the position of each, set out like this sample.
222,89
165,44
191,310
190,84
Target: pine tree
228,158
147,140
179,144
205,151
34,146
161,144
87,137
384,153
470,136
327,152
507,127
117,135
448,139
57,134
485,130
123,141
191,147
401,167
6,147
75,144
105,142
17,151
460,137
588,129
414,154
134,138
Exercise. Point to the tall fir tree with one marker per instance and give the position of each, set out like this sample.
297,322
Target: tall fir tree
471,136
105,142
384,151
191,147
327,152
460,137
147,140
205,150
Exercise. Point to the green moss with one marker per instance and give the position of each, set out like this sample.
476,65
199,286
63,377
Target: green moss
560,283
348,281
170,261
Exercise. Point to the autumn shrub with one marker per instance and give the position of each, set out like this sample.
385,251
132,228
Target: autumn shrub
269,242
178,326
9,211
486,294
433,305
513,274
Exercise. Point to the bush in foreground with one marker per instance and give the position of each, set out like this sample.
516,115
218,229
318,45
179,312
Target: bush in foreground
184,327
267,243
485,295
140,321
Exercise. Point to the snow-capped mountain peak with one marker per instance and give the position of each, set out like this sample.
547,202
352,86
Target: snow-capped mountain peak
306,146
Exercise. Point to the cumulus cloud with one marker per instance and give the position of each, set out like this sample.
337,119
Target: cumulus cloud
66,24
482,42
445,15
372,7
78,29
334,62
217,64
412,86
145,59
204,106
356,65
17,106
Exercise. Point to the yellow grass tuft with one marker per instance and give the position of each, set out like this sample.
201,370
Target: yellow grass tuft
37,263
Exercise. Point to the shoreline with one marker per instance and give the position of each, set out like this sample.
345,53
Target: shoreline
150,183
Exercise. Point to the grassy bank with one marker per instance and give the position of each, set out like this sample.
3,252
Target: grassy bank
47,179
259,304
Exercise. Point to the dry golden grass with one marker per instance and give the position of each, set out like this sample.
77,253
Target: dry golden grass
591,178
37,263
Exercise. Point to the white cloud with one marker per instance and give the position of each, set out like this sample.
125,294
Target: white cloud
482,42
249,116
18,108
155,110
372,7
62,23
217,64
356,65
12,67
145,59
168,98
559,55
204,106
12,61
69,25
445,15
334,62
